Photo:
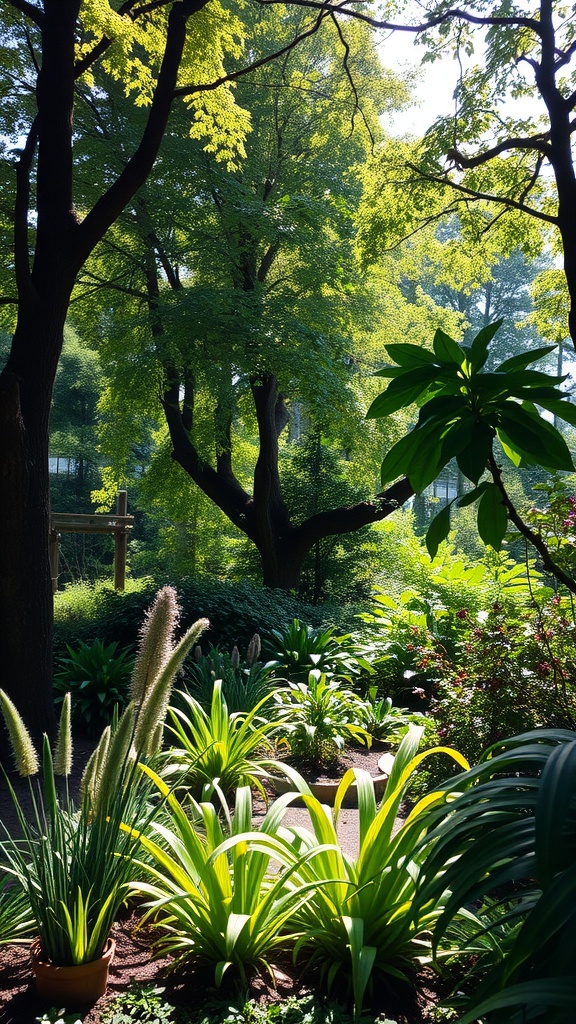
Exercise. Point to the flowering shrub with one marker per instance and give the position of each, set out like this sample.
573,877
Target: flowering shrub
510,672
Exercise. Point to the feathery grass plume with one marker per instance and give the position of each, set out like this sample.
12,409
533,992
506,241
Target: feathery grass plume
63,753
254,649
25,756
152,712
91,776
156,643
118,756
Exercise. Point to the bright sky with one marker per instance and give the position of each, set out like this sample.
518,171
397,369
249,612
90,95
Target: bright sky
433,94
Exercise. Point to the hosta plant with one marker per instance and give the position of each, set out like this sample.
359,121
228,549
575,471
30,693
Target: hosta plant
300,648
319,717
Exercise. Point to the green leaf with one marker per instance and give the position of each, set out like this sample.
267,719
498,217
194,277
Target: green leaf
524,359
426,461
447,349
492,517
473,495
562,408
444,407
472,459
402,391
534,437
479,347
457,438
398,458
438,531
410,356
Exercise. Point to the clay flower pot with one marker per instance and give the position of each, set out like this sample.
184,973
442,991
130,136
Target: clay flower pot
76,985
325,792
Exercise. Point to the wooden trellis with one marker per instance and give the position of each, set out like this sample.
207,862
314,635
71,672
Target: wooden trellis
117,523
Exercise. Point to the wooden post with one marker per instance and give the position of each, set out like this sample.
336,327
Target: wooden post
120,543
54,558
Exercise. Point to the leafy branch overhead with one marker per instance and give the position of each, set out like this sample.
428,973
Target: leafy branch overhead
463,409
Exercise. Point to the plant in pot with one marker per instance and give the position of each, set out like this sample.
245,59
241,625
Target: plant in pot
75,863
319,719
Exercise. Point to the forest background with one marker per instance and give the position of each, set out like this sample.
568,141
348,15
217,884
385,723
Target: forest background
224,328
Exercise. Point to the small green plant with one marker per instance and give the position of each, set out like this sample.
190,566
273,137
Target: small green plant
245,681
383,721
58,1016
213,899
97,678
74,864
217,749
306,1009
142,1002
319,717
300,648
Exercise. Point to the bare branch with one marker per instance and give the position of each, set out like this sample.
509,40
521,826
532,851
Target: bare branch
535,142
513,204
8,300
189,90
452,13
30,10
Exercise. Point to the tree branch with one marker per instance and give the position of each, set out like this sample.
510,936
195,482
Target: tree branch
451,14
189,90
354,517
21,254
534,538
513,204
32,12
536,142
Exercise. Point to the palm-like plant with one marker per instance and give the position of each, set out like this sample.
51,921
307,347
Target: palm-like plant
217,748
508,826
301,648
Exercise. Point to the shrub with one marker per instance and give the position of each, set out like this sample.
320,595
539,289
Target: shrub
97,679
298,648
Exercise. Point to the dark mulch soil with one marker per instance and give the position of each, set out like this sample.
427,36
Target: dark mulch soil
19,1003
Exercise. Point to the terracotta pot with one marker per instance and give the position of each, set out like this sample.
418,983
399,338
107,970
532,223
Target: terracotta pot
76,985
325,792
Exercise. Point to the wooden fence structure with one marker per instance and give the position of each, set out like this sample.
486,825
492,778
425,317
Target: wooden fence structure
117,523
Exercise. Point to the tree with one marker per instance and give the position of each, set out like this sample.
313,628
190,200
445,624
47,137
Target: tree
47,48
251,303
491,160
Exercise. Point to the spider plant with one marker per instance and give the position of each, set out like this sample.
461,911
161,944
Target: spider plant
361,920
210,889
217,748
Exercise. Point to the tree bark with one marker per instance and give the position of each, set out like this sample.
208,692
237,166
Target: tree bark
62,244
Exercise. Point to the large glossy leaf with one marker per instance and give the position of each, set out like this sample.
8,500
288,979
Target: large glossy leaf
402,391
545,992
523,360
472,460
410,356
399,456
438,531
473,495
492,517
426,459
479,347
447,350
442,407
534,436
